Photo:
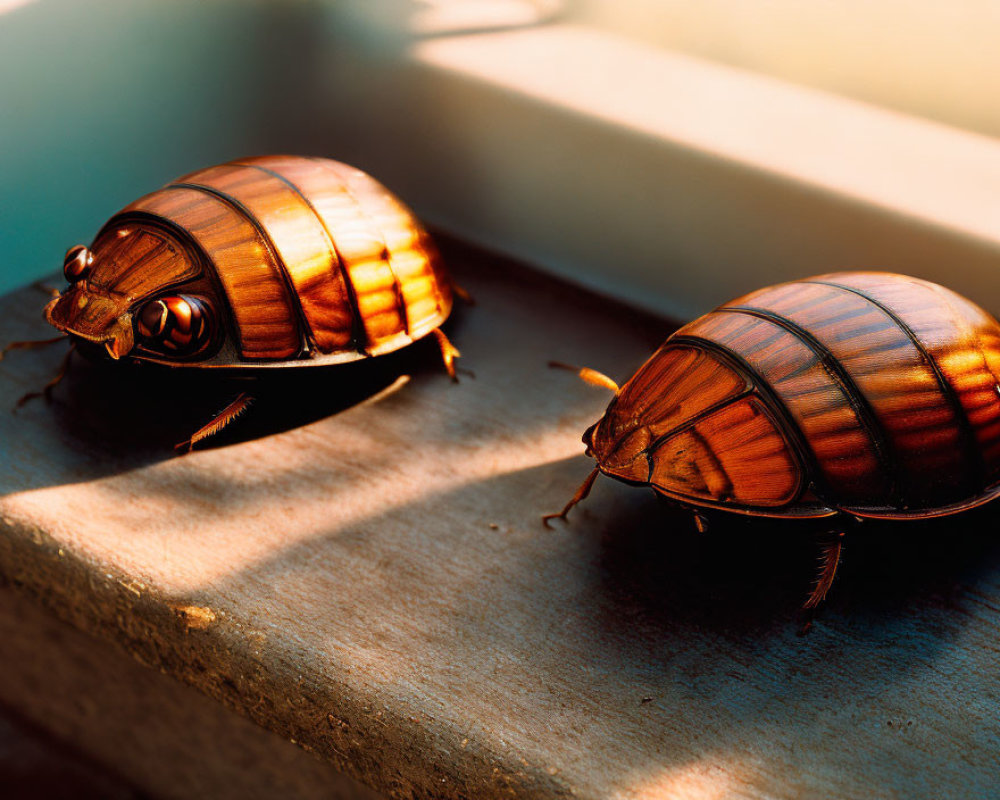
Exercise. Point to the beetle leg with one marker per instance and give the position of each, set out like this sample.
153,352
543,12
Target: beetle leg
218,422
581,493
46,391
462,294
33,345
448,352
828,560
588,375
700,522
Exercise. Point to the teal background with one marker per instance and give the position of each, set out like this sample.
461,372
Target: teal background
103,101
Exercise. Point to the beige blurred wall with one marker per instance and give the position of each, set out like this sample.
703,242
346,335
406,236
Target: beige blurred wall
934,58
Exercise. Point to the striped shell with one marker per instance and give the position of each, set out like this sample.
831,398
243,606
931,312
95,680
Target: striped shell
869,393
306,260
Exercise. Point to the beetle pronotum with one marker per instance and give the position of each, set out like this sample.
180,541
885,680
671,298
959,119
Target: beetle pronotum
845,396
261,263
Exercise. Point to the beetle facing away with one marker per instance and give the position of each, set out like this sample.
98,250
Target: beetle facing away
849,396
261,263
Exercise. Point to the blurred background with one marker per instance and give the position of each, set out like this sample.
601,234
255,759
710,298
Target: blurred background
670,153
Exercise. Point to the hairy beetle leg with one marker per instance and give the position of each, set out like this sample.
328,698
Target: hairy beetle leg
218,422
46,391
829,559
588,375
580,495
448,353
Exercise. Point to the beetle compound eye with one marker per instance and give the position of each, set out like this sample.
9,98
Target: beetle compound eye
77,263
180,324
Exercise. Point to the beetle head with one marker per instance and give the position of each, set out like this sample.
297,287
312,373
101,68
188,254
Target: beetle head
119,297
90,311
618,449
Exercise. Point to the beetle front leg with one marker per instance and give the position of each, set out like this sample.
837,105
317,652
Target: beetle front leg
218,422
46,390
580,495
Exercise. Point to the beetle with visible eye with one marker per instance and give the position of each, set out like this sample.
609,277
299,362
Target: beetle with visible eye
843,397
258,264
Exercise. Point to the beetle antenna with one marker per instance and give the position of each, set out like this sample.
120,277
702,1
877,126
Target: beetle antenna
581,493
588,375
46,391
33,345
462,294
51,291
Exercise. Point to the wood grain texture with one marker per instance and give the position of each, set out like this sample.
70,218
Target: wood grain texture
909,412
423,289
155,737
134,261
371,578
884,388
961,341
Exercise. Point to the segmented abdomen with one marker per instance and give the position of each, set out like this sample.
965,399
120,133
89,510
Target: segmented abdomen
313,256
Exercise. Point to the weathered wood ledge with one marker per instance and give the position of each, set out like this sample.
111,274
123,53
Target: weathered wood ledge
359,566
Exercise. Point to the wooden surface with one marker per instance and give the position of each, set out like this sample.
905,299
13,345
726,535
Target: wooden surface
359,565
91,722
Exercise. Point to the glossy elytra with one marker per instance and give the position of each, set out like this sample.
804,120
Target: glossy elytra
261,263
845,396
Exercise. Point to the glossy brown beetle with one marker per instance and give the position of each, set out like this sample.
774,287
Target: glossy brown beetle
261,263
852,395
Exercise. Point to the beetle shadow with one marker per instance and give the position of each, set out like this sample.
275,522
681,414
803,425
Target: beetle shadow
738,576
111,406
106,418
749,577
898,613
